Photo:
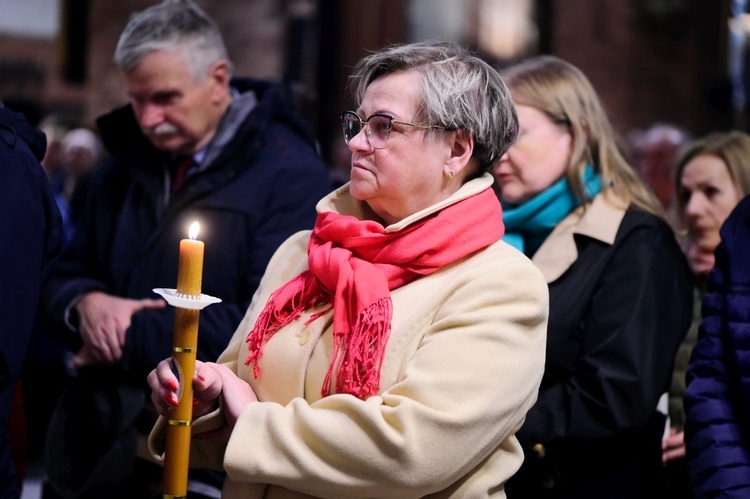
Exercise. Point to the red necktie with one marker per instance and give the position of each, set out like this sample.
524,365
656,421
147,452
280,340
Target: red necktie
180,172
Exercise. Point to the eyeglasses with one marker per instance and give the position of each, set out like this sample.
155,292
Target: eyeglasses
378,127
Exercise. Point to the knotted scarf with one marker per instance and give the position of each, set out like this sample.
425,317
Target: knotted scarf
353,265
528,224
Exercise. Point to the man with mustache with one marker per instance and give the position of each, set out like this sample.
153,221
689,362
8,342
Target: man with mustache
193,144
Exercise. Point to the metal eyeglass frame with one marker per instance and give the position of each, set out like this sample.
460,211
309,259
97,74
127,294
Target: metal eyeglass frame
365,124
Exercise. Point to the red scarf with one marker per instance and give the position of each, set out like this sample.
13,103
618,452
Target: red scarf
353,264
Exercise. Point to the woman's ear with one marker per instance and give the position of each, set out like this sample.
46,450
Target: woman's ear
461,148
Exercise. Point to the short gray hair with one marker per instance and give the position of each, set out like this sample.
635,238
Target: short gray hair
460,92
177,26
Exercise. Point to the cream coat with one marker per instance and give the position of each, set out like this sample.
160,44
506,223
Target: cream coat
462,366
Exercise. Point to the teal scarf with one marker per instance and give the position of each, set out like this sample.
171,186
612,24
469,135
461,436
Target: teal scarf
527,225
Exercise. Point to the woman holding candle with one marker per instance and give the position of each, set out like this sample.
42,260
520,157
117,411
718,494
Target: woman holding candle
395,349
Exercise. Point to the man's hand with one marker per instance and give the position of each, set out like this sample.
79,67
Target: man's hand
103,321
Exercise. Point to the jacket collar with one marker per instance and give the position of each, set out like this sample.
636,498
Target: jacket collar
600,220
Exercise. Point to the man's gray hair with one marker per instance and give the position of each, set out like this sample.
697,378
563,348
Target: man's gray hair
177,26
460,92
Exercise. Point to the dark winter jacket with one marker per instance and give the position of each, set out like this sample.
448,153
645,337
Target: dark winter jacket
30,236
717,397
249,196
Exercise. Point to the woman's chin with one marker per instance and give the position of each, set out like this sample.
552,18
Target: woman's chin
701,262
360,189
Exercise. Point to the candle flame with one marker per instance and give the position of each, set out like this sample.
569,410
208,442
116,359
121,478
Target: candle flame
193,232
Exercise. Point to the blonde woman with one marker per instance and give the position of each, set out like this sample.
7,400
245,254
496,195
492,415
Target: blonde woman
620,291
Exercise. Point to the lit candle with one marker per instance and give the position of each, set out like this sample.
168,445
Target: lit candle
190,269
184,349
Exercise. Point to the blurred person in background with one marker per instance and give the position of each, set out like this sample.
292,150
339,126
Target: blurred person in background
620,292
54,129
81,151
712,175
47,369
654,154
31,238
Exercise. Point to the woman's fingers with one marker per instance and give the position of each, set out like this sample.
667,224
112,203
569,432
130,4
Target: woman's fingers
164,386
236,393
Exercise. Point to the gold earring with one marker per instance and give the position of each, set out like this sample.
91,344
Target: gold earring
450,174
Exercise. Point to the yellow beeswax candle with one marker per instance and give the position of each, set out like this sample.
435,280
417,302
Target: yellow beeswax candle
184,350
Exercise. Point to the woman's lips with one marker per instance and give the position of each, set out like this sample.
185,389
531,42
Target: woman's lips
356,164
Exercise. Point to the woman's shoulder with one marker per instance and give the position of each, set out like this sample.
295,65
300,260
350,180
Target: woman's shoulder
610,210
648,225
502,261
645,236
637,219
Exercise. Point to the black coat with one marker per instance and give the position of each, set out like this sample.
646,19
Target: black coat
620,304
30,236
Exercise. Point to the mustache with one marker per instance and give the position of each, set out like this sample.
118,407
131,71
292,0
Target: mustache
161,129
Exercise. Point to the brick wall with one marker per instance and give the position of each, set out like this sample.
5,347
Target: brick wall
649,67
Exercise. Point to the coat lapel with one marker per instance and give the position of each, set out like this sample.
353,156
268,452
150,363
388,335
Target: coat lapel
601,221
